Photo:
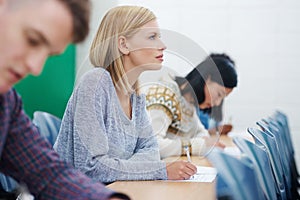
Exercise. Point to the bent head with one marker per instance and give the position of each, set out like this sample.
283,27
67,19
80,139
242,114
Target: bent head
32,30
212,80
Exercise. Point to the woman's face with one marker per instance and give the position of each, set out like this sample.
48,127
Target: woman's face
214,94
145,49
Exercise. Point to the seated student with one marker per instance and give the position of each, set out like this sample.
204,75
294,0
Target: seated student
30,31
212,119
172,104
105,131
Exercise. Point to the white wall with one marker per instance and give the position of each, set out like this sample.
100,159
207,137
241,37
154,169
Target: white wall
99,9
262,36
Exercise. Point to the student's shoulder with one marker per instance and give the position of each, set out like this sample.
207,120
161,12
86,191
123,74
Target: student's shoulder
95,81
10,97
96,78
96,74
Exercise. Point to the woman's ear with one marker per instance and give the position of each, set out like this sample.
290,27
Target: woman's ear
122,45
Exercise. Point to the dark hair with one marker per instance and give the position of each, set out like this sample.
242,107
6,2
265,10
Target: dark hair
80,11
220,68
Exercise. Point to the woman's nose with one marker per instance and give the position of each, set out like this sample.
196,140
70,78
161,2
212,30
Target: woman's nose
162,45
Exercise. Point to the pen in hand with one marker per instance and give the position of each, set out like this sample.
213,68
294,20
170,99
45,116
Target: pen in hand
187,151
188,155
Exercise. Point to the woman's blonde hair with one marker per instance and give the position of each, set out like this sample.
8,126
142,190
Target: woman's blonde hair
104,52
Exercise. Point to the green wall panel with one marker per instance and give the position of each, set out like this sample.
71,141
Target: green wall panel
51,90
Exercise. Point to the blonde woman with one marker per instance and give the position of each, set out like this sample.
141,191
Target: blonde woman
106,132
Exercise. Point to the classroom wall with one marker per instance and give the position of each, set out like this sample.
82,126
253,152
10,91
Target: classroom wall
262,36
99,9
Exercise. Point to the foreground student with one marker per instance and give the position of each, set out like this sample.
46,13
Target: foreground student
105,127
30,31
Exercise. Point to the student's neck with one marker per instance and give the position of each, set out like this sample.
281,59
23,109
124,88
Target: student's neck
124,99
132,73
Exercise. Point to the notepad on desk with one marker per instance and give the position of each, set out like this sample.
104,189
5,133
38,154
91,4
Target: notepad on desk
204,174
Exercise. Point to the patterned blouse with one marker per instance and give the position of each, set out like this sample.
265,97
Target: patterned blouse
174,120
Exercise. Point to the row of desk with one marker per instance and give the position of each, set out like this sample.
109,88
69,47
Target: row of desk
165,190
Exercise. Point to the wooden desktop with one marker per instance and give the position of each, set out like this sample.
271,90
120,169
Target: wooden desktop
165,190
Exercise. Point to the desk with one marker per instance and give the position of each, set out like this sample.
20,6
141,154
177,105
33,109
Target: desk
165,190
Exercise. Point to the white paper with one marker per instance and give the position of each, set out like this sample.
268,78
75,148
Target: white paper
204,174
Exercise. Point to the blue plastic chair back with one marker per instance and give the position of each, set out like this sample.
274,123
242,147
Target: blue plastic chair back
238,175
47,124
262,164
281,118
266,140
7,183
280,121
271,127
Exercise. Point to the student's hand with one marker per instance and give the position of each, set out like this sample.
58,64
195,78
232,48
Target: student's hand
180,170
225,129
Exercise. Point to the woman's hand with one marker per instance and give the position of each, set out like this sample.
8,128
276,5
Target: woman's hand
180,170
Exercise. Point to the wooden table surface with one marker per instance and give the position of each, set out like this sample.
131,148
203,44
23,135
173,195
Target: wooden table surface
165,190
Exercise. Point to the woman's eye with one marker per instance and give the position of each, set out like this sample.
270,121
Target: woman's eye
152,37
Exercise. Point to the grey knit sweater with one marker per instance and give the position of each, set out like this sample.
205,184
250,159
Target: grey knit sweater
100,140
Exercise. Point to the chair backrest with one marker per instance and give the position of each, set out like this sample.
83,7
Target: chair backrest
270,126
7,183
266,140
282,121
262,164
238,174
278,126
47,124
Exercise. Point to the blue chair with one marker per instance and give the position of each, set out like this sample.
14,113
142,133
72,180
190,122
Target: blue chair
266,140
8,186
47,124
282,122
238,175
262,164
269,126
277,126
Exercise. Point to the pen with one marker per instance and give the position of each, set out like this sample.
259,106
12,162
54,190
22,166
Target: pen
187,150
188,154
